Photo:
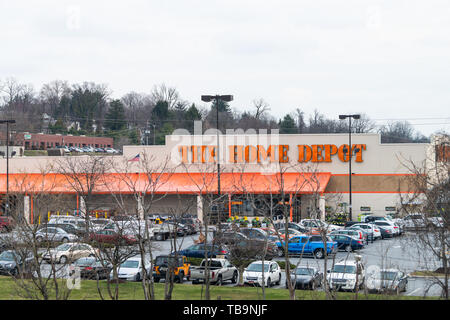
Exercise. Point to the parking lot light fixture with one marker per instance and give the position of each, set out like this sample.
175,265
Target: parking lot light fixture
216,98
350,153
7,163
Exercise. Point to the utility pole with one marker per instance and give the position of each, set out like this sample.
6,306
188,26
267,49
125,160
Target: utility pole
217,98
7,163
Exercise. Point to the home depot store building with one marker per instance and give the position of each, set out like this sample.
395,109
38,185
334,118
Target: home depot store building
308,173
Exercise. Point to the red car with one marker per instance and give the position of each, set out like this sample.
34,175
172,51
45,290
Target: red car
111,236
6,223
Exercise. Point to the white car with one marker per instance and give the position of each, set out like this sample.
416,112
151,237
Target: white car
131,269
319,224
388,225
346,275
420,221
99,223
130,227
371,228
387,280
69,252
253,273
111,150
55,235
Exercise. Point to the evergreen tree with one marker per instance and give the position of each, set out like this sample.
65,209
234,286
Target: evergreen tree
115,117
287,125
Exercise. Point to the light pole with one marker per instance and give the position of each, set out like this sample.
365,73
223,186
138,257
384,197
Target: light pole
217,98
7,163
350,153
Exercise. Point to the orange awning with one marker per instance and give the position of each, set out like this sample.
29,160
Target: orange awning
167,183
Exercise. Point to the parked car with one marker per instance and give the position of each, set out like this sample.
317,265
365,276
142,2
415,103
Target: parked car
385,232
12,262
308,245
419,221
346,275
387,280
67,252
91,268
229,237
292,225
254,233
111,150
64,148
367,235
55,235
372,218
191,222
6,223
99,223
350,223
124,217
99,150
178,264
68,227
161,231
388,225
220,270
253,273
77,222
357,234
131,269
305,278
199,251
291,233
181,229
373,231
316,225
253,249
347,243
112,237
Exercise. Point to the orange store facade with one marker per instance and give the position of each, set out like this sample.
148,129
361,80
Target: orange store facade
307,172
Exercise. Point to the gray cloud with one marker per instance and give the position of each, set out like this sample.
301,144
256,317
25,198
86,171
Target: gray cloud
388,59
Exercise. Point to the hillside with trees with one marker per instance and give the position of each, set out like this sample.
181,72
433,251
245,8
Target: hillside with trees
139,118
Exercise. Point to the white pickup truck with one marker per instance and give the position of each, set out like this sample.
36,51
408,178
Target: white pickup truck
220,270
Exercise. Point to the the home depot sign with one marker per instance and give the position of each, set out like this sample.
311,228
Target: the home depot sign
271,153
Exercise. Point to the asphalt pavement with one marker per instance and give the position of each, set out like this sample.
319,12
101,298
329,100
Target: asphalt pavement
388,253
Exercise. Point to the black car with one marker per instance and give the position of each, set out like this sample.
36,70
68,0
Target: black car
306,278
351,223
91,267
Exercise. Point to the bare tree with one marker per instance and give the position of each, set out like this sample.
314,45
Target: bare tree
261,108
31,244
430,188
84,175
164,93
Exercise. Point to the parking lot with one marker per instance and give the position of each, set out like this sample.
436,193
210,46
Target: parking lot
386,253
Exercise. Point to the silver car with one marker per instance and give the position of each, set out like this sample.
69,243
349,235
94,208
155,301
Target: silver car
55,235
387,280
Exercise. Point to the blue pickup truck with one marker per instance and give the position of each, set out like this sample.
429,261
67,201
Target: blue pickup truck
308,245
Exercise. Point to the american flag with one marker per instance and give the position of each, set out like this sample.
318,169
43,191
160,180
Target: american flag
136,158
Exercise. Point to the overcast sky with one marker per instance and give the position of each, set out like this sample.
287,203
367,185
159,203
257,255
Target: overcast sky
389,59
